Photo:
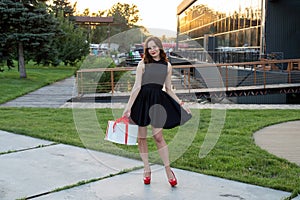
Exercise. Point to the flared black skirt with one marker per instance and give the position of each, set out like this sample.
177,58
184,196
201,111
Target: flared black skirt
155,107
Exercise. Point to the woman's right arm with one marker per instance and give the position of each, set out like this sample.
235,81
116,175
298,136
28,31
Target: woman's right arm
136,88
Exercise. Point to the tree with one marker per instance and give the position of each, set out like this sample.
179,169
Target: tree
27,25
63,7
124,14
71,44
125,17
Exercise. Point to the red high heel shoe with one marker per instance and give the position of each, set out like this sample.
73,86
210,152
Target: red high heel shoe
173,181
147,180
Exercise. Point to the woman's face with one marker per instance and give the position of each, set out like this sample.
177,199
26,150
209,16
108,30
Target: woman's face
153,50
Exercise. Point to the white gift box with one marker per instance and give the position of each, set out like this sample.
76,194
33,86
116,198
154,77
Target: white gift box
121,132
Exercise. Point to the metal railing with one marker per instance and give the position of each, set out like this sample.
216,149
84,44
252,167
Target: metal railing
227,76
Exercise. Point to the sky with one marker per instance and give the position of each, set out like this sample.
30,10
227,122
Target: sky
158,16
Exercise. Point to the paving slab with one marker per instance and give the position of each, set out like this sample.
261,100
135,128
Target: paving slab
36,171
14,142
190,186
281,140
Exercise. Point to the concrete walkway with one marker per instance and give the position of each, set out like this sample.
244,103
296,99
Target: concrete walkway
282,140
51,96
34,168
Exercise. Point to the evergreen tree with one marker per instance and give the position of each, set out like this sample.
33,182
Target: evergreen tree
63,7
27,25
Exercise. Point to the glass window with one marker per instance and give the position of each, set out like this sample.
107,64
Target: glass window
235,24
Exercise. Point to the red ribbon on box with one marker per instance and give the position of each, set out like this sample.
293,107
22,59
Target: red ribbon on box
125,120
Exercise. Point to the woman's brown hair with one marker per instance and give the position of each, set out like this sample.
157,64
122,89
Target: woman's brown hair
147,57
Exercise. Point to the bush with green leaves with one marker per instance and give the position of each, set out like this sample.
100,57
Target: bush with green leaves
99,82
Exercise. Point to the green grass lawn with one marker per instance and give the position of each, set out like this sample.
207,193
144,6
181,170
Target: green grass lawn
11,86
235,155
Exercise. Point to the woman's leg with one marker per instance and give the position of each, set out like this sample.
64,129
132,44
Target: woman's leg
163,150
143,148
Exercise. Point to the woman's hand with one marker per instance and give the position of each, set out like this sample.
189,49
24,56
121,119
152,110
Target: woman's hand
185,107
126,113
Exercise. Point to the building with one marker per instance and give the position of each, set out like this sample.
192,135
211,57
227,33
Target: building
261,27
237,31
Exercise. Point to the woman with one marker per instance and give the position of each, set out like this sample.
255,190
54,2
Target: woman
150,105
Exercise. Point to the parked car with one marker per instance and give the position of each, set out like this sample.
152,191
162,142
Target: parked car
133,58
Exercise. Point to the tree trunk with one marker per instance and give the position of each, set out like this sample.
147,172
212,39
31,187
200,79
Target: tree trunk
21,61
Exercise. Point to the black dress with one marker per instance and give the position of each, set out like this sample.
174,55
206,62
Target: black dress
153,105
